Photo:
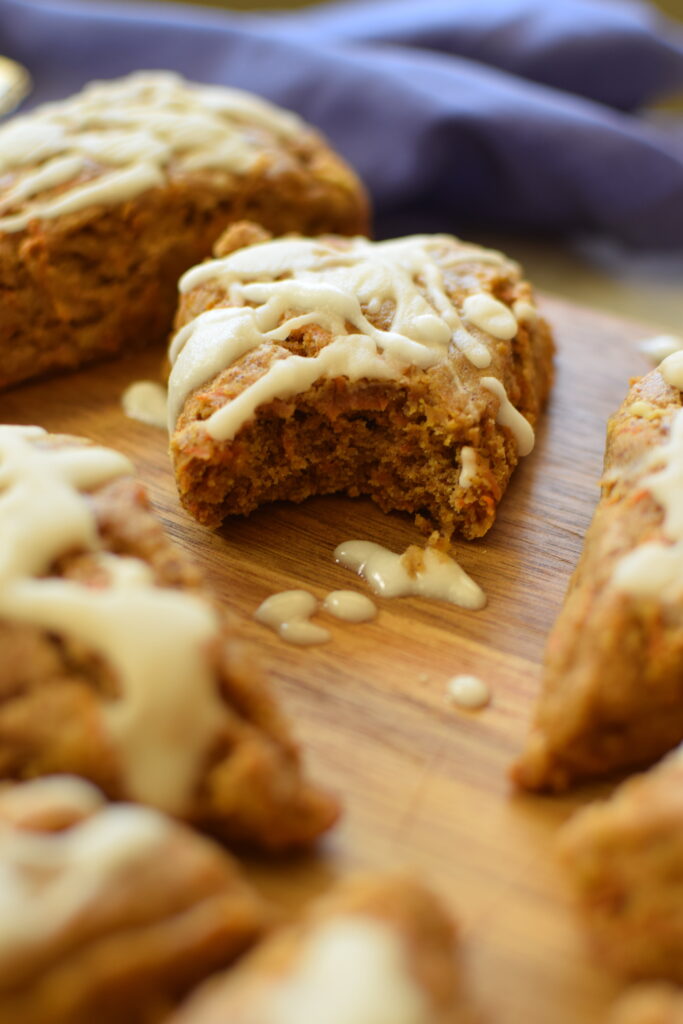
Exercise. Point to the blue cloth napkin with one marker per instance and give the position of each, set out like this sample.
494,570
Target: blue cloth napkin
458,114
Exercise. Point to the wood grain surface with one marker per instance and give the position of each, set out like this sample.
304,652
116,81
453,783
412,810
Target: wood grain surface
423,784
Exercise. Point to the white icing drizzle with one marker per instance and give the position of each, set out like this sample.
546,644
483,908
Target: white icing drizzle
15,84
469,692
660,346
508,416
51,792
350,606
288,613
655,569
469,467
126,133
525,312
50,880
491,315
352,970
389,575
671,370
279,286
146,401
156,639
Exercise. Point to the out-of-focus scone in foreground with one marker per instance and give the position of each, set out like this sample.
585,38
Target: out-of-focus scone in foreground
625,856
110,912
106,197
612,691
376,950
411,370
118,666
656,1003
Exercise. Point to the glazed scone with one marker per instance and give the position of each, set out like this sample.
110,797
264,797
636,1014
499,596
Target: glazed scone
106,197
612,692
118,666
625,856
411,371
376,950
656,1003
115,914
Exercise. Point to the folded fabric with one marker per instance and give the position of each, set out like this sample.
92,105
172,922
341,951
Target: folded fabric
508,114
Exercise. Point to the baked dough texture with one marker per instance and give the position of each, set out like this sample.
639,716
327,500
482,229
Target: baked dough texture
649,1004
379,946
110,912
347,366
105,198
612,689
625,856
88,678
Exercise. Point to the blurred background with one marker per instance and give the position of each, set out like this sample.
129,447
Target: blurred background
644,286
671,7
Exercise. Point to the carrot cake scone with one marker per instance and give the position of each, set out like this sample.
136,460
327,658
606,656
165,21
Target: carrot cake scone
106,197
110,912
411,371
612,695
654,1003
376,950
116,664
625,855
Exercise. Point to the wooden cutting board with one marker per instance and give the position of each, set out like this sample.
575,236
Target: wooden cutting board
423,784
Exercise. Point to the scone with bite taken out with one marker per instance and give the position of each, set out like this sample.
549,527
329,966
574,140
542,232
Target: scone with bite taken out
410,370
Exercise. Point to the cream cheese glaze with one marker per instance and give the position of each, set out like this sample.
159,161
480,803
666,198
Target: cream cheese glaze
470,692
49,880
655,569
146,401
116,139
279,286
155,639
288,613
355,949
433,575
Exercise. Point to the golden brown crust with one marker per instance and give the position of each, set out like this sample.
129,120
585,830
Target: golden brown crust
397,441
625,856
155,929
90,284
410,913
612,692
251,789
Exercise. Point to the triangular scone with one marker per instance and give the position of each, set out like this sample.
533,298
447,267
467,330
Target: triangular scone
411,371
612,691
375,949
625,856
108,196
117,665
110,912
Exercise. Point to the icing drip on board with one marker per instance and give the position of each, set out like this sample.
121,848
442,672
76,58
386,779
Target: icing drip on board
288,613
147,402
276,288
469,692
350,606
121,136
422,573
156,639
